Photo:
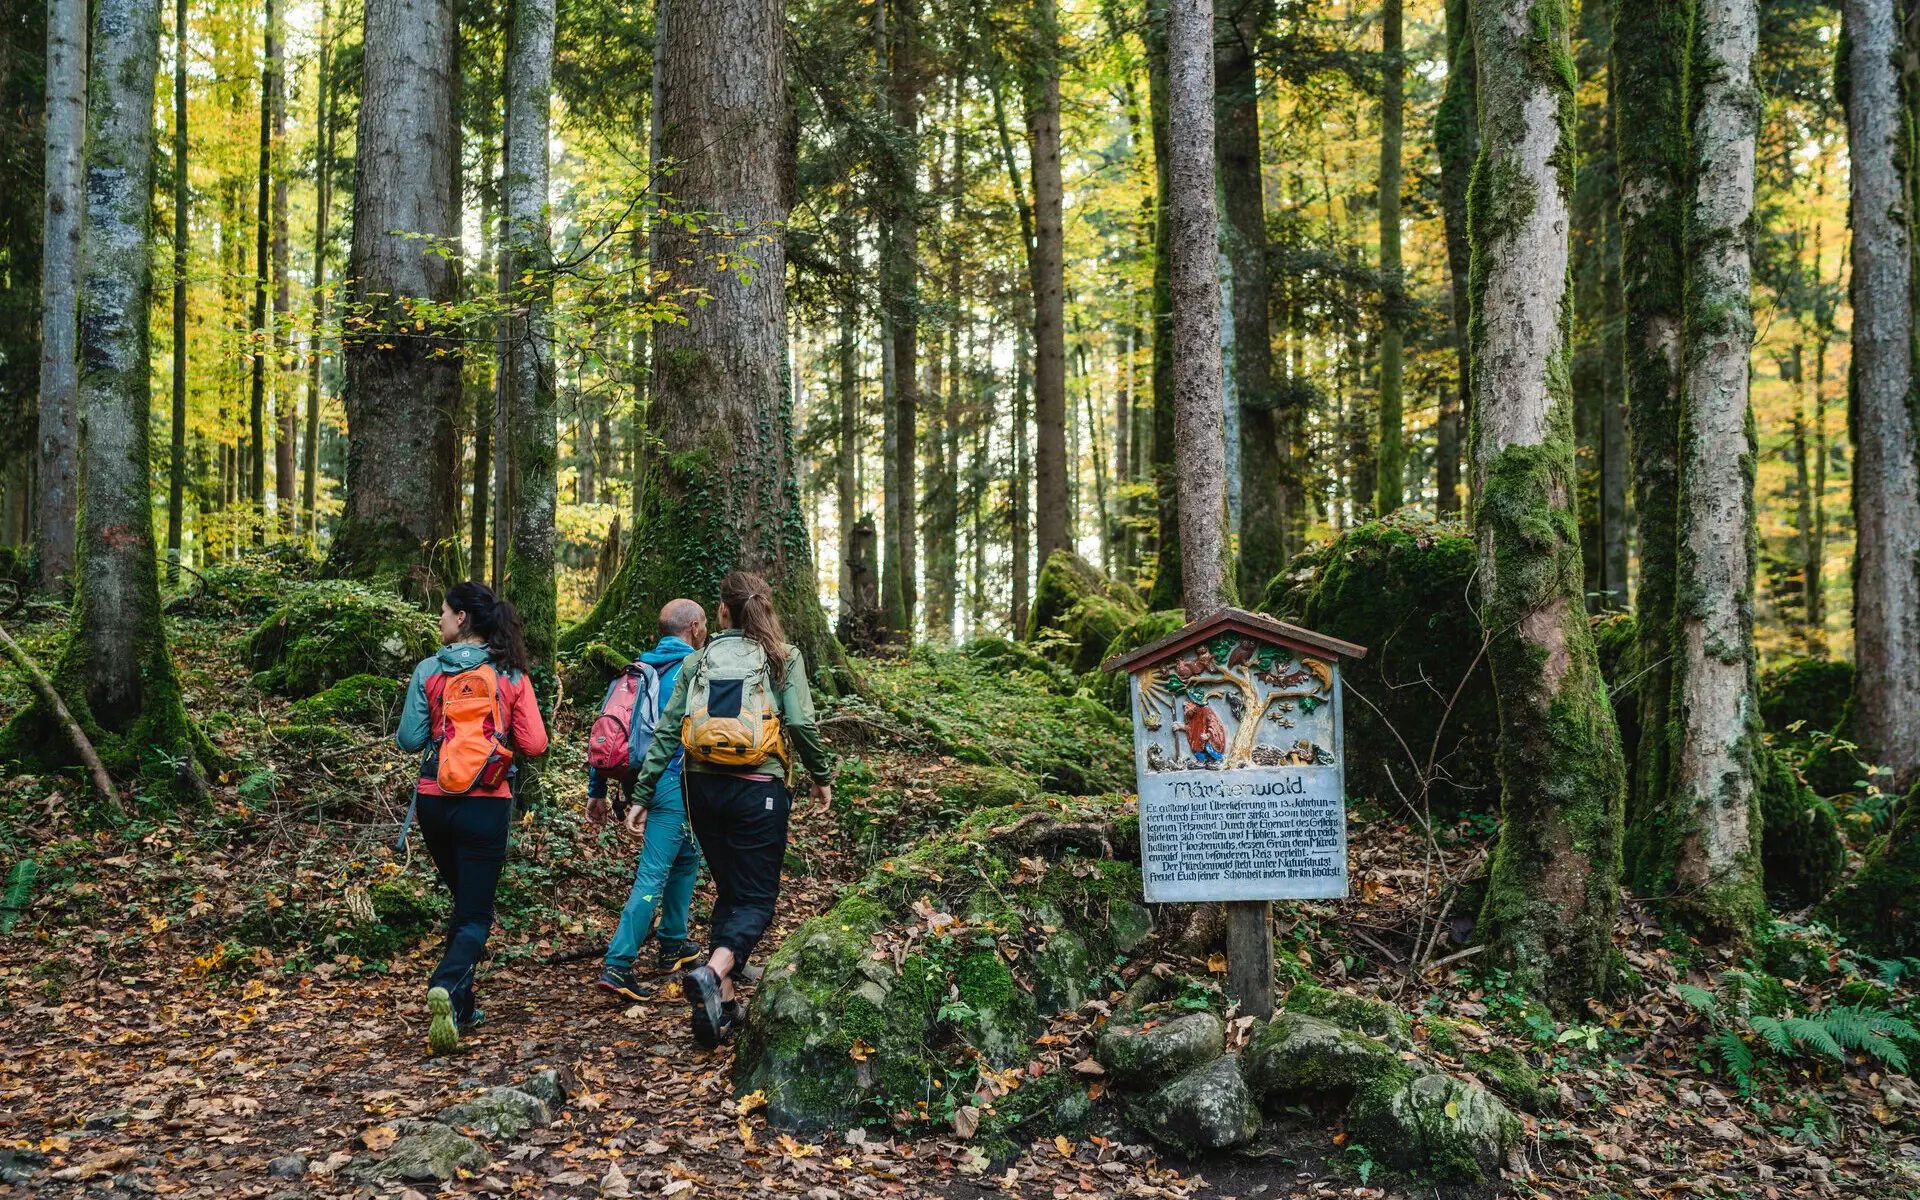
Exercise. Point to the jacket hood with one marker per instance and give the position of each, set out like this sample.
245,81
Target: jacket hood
461,656
670,650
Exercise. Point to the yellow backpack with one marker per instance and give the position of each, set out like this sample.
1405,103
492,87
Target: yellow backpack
732,719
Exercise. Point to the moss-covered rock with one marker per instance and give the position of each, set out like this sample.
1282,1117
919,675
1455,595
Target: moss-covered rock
1402,588
356,700
497,1113
330,631
1803,851
1145,1055
1375,1018
1298,1057
1077,612
981,930
1810,692
1112,686
1204,1111
1879,908
1436,1128
1498,1067
428,1150
881,821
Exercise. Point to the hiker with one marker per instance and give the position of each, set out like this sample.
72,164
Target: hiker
669,860
732,703
471,708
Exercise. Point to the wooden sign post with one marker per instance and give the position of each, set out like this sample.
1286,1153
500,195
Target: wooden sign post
1239,761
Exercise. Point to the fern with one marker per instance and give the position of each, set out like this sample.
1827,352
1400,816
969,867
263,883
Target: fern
1872,1031
1700,998
1812,1032
1737,1057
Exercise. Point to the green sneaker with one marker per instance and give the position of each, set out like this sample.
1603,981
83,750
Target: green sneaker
442,1036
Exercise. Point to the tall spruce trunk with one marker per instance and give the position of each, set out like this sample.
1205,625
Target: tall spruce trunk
847,450
1706,830
403,383
322,205
1553,882
1167,591
1199,421
1052,509
177,464
1456,141
485,388
1886,492
1263,520
58,467
116,673
1390,467
286,412
260,348
723,494
1021,485
1649,70
901,284
527,256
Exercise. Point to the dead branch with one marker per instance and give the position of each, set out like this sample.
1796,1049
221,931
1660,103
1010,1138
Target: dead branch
49,696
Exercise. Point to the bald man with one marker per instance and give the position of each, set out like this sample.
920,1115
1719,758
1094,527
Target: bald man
669,859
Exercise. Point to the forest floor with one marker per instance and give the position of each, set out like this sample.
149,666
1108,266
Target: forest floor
178,1009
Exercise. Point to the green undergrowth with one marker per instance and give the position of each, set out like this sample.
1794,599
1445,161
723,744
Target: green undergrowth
329,631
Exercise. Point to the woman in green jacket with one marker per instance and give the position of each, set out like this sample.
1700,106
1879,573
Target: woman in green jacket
739,814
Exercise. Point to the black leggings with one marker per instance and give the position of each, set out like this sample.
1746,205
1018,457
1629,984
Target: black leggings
742,828
467,836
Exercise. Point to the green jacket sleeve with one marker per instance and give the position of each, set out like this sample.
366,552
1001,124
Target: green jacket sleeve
666,735
796,713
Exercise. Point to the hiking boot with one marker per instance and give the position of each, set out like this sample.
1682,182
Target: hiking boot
709,1014
621,982
443,1036
677,952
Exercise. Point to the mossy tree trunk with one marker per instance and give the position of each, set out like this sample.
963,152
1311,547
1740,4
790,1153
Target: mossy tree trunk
1389,484
1051,509
900,285
529,581
1703,831
116,674
1167,586
66,128
403,383
1886,490
1456,141
722,493
1555,872
1649,59
1263,520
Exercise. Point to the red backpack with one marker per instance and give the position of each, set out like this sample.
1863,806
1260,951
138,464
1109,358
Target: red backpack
623,731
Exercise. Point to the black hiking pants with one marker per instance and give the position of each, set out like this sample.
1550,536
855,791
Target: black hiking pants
467,836
742,828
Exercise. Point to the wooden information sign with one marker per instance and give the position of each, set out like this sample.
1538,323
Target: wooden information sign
1239,761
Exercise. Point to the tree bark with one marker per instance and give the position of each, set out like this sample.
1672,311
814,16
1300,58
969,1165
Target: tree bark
1167,589
286,413
403,381
1886,492
177,466
1456,141
848,449
900,271
1021,484
1049,278
58,466
1709,829
1389,482
1648,70
723,494
261,339
1263,550
1553,884
486,388
529,581
322,206
1199,421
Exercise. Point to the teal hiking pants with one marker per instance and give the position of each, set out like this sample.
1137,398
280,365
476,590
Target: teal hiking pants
669,865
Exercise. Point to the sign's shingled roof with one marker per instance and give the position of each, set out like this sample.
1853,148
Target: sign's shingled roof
1237,620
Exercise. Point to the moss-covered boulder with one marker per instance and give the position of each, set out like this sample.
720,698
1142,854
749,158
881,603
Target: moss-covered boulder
330,631
498,1113
1296,1056
427,1151
1143,1055
1803,852
1879,908
882,820
1112,686
1077,612
940,962
1204,1111
1807,706
1436,1128
1375,1018
1496,1066
356,700
1402,587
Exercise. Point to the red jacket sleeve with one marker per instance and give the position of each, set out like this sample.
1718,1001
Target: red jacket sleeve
529,731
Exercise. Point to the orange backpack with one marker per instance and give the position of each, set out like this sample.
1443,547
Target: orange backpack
469,752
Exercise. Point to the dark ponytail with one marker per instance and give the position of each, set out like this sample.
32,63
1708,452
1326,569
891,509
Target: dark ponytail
749,604
493,618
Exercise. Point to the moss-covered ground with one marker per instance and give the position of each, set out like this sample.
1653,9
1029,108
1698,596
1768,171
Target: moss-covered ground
204,990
